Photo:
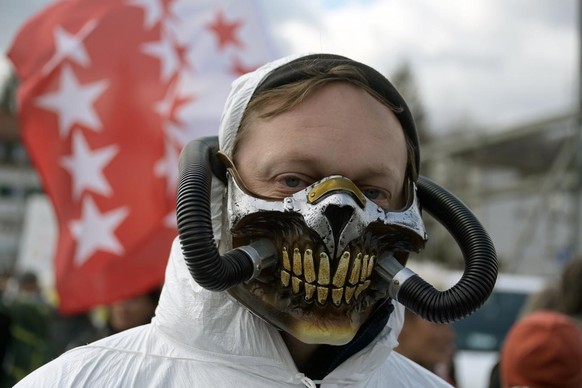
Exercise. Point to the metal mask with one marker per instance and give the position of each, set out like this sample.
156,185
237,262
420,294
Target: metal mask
329,237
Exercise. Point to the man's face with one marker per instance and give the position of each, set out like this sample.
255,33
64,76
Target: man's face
338,130
132,312
427,343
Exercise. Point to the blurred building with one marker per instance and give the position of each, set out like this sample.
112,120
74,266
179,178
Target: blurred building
524,184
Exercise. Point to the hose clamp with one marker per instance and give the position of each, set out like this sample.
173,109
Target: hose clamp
394,273
262,254
398,281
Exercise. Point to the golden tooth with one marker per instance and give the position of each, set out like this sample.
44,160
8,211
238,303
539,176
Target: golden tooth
285,278
323,276
349,293
309,291
355,275
308,266
370,266
339,279
297,266
296,284
336,296
286,262
364,268
359,289
322,293
367,284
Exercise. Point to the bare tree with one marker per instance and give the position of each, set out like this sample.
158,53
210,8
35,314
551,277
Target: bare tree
403,79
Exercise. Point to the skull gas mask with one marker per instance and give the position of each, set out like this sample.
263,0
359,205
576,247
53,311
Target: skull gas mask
328,238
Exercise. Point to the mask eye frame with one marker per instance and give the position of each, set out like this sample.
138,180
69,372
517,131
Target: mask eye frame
306,202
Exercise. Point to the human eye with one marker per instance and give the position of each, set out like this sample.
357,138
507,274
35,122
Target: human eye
291,181
289,184
378,196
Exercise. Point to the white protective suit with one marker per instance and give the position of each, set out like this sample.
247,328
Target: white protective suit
201,338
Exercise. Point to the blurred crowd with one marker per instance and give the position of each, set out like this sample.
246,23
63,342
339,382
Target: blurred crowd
32,332
543,348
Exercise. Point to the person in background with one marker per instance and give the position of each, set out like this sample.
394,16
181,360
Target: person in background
542,349
4,321
429,344
5,277
29,334
68,327
122,315
548,298
565,297
570,300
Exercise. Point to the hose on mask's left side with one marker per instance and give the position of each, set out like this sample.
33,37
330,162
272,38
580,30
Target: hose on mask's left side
207,267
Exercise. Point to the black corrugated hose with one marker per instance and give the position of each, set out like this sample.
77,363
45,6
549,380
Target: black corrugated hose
478,279
207,267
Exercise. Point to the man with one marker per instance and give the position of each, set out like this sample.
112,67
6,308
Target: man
542,349
28,343
316,314
122,315
429,344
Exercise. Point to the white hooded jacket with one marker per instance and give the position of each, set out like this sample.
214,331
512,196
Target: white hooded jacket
201,338
205,339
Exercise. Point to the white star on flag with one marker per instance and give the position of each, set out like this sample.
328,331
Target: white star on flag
70,46
166,167
95,231
165,51
73,102
86,166
170,220
164,107
177,133
153,11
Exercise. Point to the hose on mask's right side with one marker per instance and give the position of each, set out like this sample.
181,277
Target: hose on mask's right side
480,274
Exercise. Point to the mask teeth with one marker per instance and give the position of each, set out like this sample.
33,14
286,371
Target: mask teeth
350,279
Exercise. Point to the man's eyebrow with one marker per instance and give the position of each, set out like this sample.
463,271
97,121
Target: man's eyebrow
292,162
377,170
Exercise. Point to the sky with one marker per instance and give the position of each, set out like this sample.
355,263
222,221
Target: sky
483,65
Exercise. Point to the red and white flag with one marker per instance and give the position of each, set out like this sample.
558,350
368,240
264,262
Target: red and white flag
111,90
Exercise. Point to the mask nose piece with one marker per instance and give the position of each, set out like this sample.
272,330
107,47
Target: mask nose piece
338,217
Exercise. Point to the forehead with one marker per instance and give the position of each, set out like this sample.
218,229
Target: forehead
336,124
